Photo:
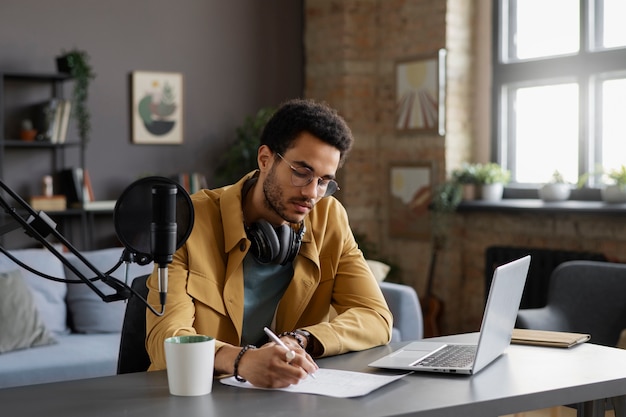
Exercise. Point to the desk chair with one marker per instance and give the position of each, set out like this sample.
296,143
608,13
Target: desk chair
583,297
543,263
133,356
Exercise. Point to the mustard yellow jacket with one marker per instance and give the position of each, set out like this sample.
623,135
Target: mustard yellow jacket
205,290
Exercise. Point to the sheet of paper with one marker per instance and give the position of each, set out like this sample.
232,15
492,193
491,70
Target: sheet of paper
331,382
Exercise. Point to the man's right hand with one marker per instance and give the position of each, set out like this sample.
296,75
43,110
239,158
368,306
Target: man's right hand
267,366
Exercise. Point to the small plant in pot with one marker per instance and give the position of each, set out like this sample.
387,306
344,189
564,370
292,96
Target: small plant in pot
492,179
467,179
27,132
556,190
76,63
616,191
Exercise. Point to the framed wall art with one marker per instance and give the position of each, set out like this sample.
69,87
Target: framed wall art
411,193
157,108
420,93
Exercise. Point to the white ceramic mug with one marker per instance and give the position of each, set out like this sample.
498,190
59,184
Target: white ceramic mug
190,361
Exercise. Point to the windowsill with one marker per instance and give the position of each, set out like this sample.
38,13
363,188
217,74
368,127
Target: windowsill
539,206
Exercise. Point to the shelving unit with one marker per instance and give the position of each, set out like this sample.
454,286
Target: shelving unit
57,150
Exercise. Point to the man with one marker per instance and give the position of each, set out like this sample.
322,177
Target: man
275,250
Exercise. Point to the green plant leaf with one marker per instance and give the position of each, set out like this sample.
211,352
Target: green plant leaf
82,73
241,156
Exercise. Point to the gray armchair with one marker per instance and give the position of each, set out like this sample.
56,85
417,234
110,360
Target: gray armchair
408,323
583,297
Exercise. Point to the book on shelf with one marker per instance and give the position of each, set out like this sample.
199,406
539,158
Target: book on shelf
87,188
48,203
64,120
99,205
47,120
75,184
191,181
71,185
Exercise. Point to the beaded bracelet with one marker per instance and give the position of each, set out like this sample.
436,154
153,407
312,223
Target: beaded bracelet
238,358
295,335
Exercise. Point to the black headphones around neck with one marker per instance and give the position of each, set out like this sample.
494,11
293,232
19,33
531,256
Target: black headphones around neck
274,244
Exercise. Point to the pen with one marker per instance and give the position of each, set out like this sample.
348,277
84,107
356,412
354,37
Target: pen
290,353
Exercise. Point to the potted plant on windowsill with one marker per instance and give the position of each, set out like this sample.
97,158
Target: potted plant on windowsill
466,178
492,179
556,190
616,191
76,63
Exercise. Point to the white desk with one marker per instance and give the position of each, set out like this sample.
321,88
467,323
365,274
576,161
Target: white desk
524,378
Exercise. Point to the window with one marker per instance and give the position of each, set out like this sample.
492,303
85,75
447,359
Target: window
559,76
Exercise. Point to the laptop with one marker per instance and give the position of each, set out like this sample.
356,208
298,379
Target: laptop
496,329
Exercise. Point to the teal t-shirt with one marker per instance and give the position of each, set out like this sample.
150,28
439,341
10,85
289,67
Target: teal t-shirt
264,286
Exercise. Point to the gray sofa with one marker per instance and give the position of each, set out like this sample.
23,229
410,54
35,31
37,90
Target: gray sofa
74,333
79,335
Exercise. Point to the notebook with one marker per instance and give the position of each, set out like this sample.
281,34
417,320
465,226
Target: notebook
548,338
496,329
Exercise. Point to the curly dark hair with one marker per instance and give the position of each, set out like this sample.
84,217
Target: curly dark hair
300,115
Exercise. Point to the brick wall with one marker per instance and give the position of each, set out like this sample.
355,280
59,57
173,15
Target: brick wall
351,49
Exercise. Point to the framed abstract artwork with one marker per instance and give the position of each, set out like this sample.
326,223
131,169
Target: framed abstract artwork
420,93
157,108
410,188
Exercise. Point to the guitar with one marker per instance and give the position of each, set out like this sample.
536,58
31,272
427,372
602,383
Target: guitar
431,305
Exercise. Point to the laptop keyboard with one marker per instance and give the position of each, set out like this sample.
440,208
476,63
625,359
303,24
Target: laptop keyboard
450,356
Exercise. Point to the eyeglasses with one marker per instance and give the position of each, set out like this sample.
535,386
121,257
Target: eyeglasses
303,176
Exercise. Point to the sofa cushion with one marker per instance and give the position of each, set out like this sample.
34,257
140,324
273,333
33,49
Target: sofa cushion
49,296
88,313
75,356
22,326
379,269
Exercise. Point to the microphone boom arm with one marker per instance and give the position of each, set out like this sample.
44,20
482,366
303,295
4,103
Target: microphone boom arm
38,225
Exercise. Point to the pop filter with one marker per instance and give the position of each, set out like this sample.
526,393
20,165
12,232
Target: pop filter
133,216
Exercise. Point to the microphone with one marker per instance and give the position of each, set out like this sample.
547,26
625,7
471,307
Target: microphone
154,217
163,231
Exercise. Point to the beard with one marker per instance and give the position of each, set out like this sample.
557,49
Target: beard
274,198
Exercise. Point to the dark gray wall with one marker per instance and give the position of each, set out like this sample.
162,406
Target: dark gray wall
235,56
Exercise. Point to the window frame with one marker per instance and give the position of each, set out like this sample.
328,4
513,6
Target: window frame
589,67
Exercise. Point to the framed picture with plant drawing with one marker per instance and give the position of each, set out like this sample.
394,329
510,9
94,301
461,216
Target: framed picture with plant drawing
157,108
410,186
420,93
